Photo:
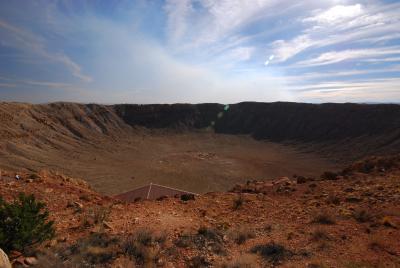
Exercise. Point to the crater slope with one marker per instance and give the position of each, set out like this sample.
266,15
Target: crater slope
200,148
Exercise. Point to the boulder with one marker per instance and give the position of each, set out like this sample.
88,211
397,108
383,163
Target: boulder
4,261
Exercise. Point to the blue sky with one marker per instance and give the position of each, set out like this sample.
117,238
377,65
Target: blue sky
196,51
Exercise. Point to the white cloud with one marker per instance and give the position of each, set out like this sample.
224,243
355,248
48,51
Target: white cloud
346,55
214,21
340,25
377,90
178,12
287,49
336,14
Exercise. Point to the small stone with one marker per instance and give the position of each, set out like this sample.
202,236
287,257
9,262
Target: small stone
31,260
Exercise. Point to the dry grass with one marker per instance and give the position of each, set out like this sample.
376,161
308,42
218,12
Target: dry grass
363,215
144,246
272,252
323,217
320,235
241,235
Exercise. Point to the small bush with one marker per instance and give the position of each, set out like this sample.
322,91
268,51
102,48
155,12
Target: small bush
320,235
272,252
332,199
242,235
187,197
210,233
199,262
143,246
362,216
238,202
96,216
206,238
323,218
98,248
24,223
184,241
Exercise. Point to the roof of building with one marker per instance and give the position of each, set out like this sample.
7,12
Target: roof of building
151,192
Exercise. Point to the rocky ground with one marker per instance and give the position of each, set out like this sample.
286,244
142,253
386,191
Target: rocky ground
346,219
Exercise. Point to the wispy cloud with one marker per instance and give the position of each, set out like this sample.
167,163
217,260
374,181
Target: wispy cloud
201,50
377,90
336,14
346,55
341,24
29,43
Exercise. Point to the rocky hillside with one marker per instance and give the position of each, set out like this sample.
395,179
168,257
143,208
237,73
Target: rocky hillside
350,130
274,121
376,125
345,219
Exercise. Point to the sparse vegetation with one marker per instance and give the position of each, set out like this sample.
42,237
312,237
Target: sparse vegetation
96,216
272,252
323,218
24,223
206,238
144,246
209,233
187,197
362,216
320,235
241,235
97,249
238,202
333,199
199,262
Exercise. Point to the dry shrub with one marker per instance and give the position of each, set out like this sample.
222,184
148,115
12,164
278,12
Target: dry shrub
272,252
98,248
144,246
332,199
96,216
206,238
198,262
241,235
320,235
323,218
379,244
362,215
238,202
184,241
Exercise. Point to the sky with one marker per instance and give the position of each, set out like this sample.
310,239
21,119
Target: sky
196,51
